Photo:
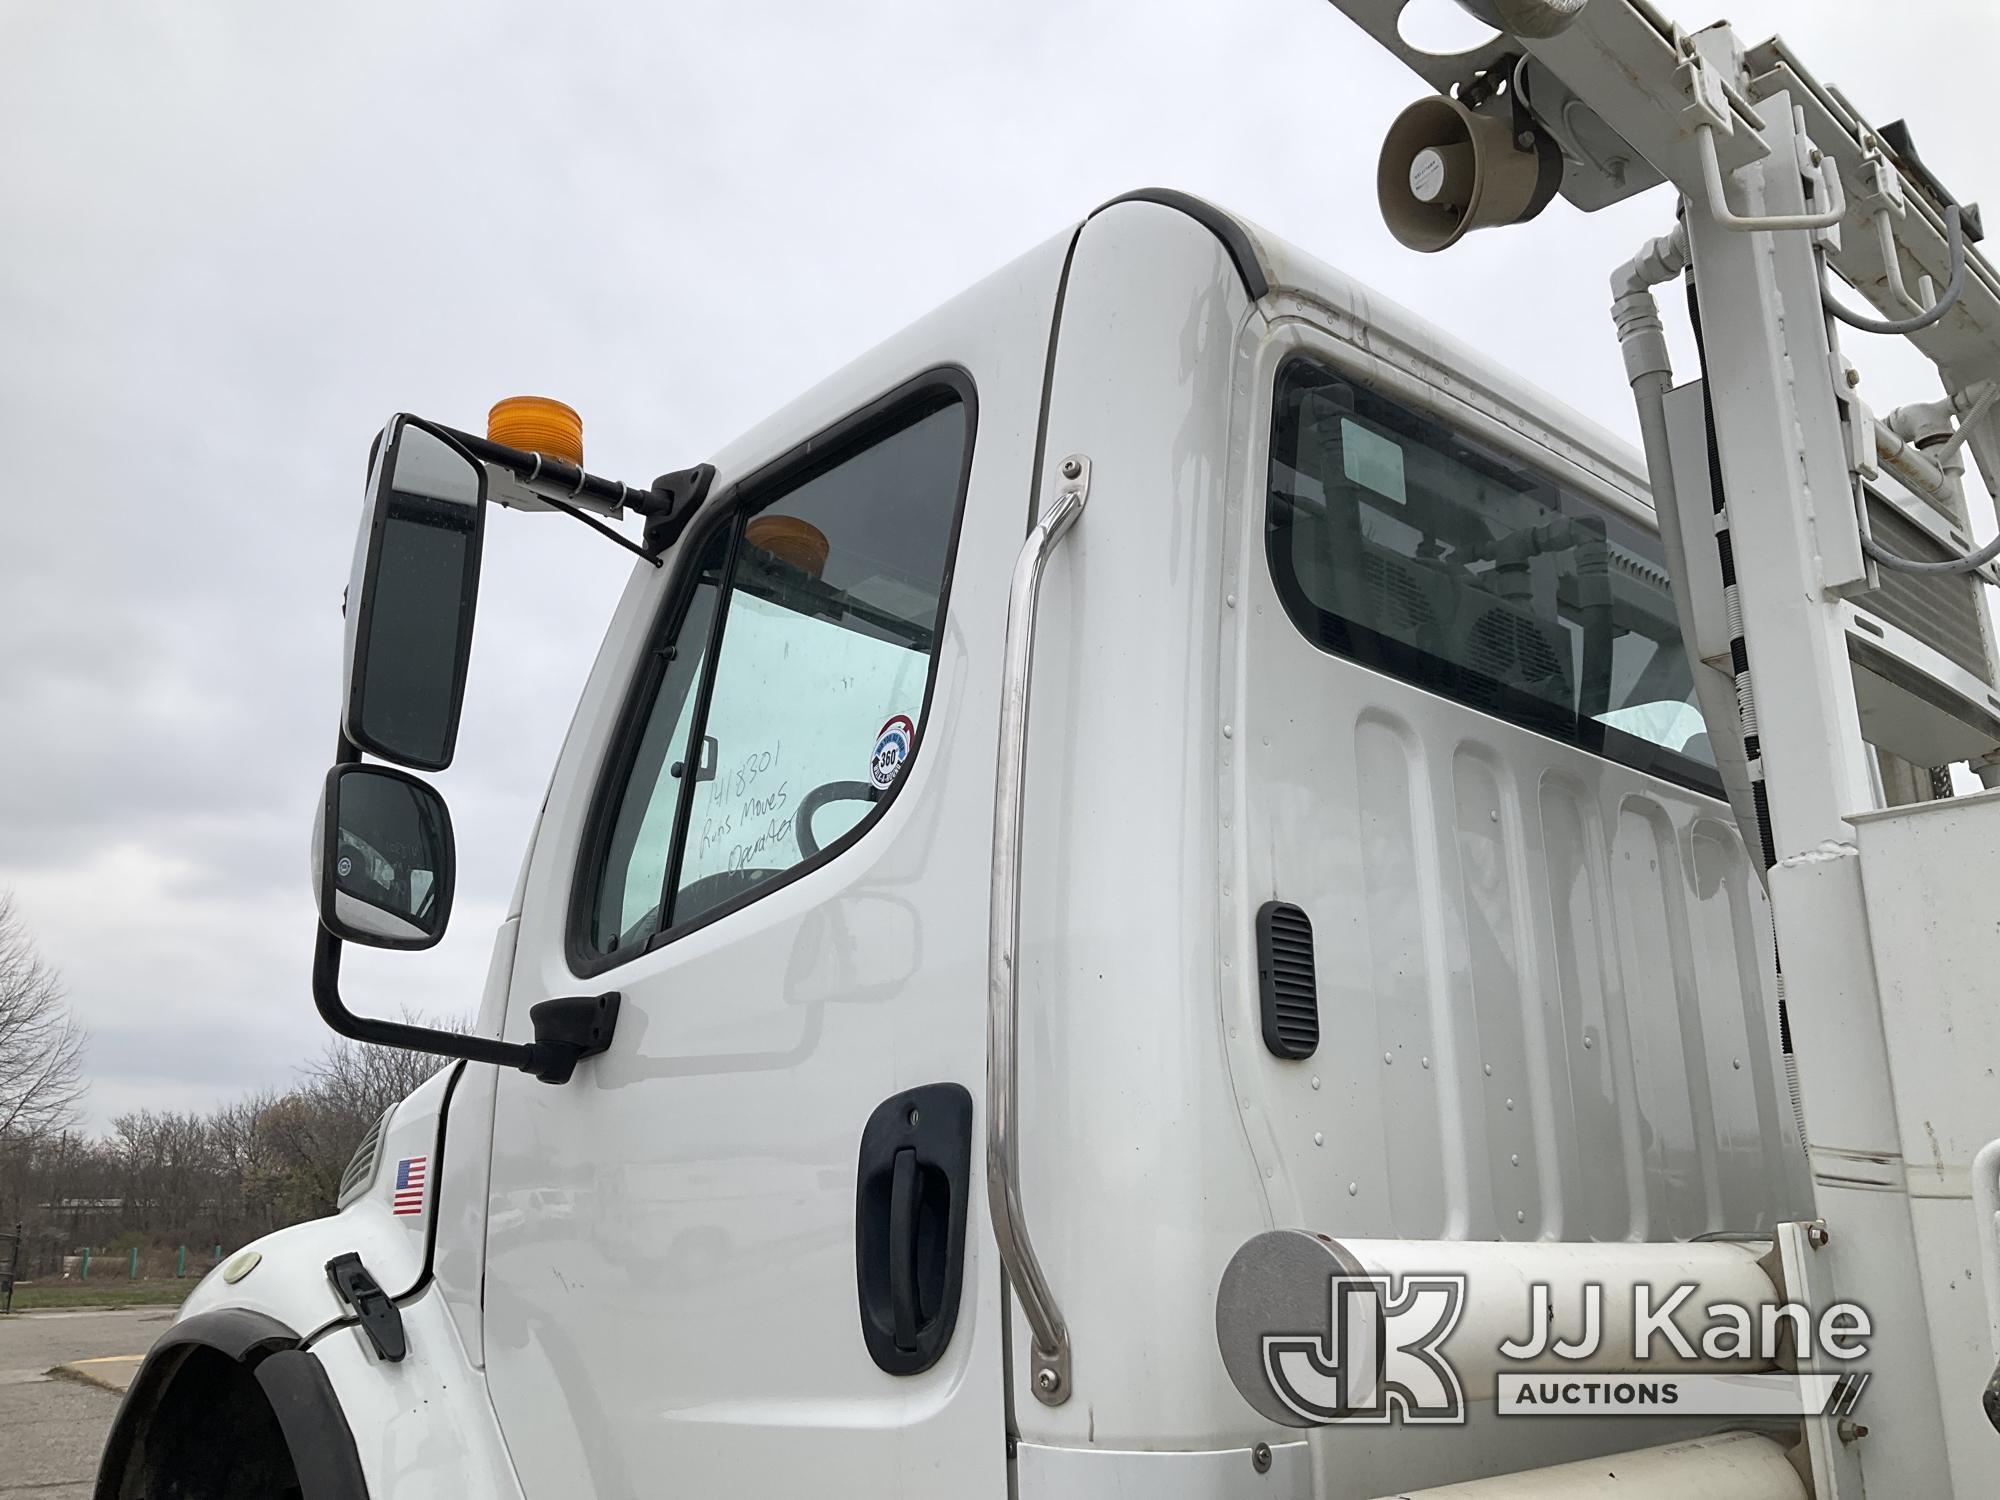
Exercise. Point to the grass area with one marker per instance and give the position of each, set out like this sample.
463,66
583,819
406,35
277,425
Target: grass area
29,1295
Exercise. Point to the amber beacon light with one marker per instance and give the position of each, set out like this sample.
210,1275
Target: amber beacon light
537,424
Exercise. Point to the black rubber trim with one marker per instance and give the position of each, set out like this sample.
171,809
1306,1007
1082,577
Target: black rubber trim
238,1332
1042,441
293,1381
1235,240
315,1428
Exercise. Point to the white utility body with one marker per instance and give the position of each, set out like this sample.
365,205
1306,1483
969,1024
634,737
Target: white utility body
1167,785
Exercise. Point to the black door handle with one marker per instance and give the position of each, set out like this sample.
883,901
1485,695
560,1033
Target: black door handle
903,1248
911,1193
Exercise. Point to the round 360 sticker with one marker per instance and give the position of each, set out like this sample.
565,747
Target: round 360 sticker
892,748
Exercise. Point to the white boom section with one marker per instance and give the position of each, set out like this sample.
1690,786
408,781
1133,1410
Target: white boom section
1735,1466
1781,181
1501,1279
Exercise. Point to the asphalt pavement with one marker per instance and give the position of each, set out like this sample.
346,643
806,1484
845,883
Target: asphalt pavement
53,1426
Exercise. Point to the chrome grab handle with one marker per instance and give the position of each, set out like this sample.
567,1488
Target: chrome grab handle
1050,1354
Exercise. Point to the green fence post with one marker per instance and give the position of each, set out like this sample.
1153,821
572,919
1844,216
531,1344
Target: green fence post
85,1273
181,1263
133,1275
218,1255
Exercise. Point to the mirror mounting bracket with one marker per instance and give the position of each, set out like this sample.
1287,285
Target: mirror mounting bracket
569,1029
671,504
566,1030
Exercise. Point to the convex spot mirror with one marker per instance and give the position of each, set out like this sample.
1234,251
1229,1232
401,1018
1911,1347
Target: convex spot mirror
410,600
382,858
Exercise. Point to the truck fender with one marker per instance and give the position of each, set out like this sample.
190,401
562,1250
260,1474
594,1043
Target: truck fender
228,1402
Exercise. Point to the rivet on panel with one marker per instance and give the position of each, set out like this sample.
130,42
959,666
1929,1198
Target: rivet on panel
1427,1062
1510,1103
1318,1138
1228,733
1489,1070
1589,1041
1354,1190
1494,816
1736,1063
1315,1080
1388,1061
1520,1217
1231,601
1516,1160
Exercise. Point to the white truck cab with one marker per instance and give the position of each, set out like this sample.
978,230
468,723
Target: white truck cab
935,1034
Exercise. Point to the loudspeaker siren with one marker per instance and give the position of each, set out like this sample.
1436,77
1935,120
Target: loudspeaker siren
1447,170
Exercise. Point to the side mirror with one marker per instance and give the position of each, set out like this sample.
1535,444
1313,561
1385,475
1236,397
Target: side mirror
410,600
382,858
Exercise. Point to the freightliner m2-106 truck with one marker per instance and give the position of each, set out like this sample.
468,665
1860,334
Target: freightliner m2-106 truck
1167,799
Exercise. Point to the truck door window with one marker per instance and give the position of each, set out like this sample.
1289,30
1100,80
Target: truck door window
627,909
772,733
1413,549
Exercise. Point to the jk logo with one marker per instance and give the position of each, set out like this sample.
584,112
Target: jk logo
1383,1361
1310,1338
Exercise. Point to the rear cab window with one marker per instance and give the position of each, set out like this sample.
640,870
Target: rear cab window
788,687
1416,550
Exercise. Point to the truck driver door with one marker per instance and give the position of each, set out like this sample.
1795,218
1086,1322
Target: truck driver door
743,1251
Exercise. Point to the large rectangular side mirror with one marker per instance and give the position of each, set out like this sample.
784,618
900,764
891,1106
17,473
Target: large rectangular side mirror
410,601
382,858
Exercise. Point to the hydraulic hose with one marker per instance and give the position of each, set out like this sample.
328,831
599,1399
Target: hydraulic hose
1970,563
1954,229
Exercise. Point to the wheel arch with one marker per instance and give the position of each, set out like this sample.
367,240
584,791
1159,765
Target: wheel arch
231,1360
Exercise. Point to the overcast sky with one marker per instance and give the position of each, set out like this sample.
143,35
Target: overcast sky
235,236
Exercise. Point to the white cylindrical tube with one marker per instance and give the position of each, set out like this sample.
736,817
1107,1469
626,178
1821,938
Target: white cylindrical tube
1500,1299
1733,1466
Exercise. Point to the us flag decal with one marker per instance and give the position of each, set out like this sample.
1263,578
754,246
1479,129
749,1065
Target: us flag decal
409,1194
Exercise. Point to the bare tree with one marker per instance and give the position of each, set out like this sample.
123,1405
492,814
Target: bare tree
162,1180
302,1140
41,1044
361,1080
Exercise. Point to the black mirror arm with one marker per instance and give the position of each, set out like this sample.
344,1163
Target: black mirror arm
669,503
567,1030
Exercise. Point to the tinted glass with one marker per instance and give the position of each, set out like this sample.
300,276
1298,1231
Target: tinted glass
834,599
1413,549
419,597
627,909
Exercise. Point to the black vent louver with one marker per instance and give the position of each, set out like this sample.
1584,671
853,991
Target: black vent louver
1288,990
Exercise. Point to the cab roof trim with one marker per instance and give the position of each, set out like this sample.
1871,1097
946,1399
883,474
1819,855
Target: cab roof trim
1271,266
1236,241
